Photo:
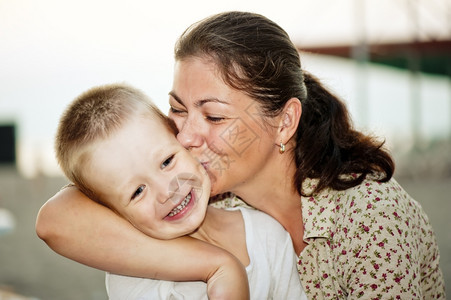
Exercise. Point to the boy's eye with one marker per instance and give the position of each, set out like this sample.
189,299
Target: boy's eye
167,162
138,191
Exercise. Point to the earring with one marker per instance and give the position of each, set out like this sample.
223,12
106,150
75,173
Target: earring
282,148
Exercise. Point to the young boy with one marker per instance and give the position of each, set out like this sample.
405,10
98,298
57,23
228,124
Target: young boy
120,150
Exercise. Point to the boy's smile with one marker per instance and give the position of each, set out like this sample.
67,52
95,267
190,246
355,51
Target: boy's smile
179,209
182,199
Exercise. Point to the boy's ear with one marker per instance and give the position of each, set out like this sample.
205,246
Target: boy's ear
289,120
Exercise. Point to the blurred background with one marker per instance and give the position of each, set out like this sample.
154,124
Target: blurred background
390,60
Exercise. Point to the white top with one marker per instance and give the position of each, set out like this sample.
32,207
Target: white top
272,269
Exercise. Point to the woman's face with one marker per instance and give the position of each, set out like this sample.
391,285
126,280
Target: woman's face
221,126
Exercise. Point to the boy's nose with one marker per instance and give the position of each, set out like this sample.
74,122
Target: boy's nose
180,187
169,190
163,196
163,189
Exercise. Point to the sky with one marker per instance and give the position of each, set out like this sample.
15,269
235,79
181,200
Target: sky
52,50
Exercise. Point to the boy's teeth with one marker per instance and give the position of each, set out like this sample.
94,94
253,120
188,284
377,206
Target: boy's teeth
180,206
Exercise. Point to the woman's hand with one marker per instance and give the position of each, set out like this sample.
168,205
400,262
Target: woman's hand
82,230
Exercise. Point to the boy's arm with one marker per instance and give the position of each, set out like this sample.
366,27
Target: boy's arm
80,229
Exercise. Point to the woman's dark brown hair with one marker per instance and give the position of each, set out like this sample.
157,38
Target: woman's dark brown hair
256,56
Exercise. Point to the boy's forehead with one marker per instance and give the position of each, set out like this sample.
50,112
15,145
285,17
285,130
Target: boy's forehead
151,134
157,123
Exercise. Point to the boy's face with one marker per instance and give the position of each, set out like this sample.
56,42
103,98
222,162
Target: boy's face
144,173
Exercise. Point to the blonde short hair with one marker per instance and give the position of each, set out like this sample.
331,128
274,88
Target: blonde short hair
92,117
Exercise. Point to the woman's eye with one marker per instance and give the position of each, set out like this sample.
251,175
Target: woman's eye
214,119
167,162
138,191
175,110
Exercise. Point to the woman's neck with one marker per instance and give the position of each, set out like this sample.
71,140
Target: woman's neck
272,192
272,187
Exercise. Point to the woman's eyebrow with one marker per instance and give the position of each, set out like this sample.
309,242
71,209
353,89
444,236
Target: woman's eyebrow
201,102
176,98
209,100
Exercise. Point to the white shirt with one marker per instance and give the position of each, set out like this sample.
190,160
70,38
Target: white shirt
271,272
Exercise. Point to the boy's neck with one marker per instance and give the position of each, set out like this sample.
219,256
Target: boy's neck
215,226
225,229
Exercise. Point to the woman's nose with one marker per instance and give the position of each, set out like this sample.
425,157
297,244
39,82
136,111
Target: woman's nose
190,134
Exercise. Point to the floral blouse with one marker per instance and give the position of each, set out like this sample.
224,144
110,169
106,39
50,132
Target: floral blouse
372,241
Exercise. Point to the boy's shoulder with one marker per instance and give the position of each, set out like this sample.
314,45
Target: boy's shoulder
262,225
248,220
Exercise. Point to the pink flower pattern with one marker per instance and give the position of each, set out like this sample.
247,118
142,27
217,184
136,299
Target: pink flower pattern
372,241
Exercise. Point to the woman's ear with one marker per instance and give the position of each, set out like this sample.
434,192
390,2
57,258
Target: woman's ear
289,120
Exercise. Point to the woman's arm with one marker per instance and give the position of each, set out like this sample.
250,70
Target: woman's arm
80,229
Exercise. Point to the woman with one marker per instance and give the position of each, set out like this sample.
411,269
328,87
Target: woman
270,133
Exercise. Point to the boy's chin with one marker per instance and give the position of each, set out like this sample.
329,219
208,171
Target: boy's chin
179,233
